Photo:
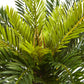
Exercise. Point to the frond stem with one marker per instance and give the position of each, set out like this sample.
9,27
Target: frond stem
21,76
73,28
70,31
68,72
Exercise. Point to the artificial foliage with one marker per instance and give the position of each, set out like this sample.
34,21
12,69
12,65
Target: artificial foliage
35,49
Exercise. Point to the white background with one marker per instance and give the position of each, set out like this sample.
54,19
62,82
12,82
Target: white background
10,3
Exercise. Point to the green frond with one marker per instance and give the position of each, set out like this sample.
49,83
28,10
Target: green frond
19,25
20,6
35,14
17,73
67,67
69,3
3,17
9,37
50,5
63,26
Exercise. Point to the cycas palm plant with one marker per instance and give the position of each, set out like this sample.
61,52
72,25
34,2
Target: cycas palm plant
35,50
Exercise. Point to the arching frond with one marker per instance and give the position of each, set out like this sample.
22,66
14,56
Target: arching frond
50,5
19,25
63,26
13,68
69,67
20,6
9,37
3,17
